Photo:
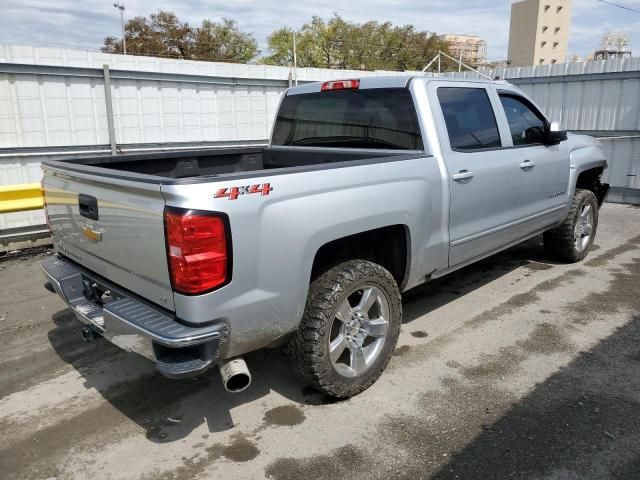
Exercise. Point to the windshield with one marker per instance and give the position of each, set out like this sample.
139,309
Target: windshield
370,118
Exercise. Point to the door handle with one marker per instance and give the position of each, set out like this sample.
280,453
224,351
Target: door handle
462,175
527,165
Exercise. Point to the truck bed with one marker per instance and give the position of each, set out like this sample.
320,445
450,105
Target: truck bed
207,163
107,213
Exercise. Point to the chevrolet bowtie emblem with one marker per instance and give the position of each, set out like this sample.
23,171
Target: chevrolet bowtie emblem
92,234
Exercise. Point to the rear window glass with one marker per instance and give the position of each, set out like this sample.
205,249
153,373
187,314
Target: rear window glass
369,118
469,116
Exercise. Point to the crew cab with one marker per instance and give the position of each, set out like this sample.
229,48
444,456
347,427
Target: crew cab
368,187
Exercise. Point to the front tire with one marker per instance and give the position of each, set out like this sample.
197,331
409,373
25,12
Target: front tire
349,329
571,241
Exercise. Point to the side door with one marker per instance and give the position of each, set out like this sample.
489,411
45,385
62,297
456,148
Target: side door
543,169
482,174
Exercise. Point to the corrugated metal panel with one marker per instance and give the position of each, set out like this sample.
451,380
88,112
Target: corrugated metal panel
590,105
47,110
15,171
50,110
33,55
53,110
623,156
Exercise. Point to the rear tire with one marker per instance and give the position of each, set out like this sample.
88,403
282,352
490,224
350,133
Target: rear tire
349,329
571,241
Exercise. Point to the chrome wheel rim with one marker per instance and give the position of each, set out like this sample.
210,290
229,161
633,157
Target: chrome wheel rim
359,330
584,228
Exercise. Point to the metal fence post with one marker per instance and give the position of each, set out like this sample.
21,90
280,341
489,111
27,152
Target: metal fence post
109,105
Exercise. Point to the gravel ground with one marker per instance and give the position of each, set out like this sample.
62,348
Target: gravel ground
516,367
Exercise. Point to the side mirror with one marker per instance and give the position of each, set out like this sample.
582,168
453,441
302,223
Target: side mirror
555,133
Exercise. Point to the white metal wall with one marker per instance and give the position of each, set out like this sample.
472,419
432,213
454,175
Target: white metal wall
601,97
62,111
590,105
20,170
623,156
45,111
40,110
146,111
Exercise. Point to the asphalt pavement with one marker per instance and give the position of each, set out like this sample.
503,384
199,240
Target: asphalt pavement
515,367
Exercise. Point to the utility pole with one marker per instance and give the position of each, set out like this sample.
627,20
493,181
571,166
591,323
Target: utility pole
295,60
120,7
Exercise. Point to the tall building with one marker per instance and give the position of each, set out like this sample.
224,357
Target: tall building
471,48
539,32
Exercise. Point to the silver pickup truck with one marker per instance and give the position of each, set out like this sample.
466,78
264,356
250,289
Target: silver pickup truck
368,187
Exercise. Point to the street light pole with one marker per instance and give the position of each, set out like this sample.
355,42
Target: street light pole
295,59
120,7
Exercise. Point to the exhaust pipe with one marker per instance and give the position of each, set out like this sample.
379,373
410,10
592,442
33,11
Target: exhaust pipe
235,374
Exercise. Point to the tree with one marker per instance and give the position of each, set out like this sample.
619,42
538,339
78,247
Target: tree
281,45
223,42
338,43
164,35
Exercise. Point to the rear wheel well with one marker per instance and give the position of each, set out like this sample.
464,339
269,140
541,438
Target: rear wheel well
386,246
590,180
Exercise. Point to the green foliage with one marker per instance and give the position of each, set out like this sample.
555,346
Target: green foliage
164,35
335,43
338,43
223,42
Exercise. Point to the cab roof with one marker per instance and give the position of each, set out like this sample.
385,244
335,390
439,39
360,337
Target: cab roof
385,81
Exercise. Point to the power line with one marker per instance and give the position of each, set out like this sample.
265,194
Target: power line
619,6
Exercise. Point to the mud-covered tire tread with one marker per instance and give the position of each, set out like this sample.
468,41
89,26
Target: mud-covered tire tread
559,241
306,350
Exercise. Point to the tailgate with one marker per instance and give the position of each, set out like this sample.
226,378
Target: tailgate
113,227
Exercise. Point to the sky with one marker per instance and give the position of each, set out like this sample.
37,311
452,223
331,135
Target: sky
84,23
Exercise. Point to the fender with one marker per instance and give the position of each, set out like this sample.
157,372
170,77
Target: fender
585,153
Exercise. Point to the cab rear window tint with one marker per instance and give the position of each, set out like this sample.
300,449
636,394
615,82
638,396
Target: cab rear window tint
368,118
471,123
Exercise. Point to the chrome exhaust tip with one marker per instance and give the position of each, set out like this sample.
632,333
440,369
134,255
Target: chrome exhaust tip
235,374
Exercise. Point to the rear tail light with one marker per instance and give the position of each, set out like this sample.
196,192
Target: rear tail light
197,249
340,85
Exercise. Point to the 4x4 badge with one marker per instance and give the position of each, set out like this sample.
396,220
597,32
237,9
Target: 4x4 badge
234,192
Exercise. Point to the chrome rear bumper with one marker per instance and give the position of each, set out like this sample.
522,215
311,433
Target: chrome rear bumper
177,350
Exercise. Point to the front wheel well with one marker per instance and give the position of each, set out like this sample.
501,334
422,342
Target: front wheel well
591,180
386,246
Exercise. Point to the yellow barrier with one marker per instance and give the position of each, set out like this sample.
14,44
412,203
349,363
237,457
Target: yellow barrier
19,198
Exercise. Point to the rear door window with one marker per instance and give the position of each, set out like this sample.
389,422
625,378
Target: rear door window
369,118
468,114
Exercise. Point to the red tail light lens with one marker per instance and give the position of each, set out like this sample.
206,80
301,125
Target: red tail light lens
197,250
340,85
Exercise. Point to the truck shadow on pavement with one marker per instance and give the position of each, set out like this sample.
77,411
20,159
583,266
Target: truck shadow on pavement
436,293
169,410
581,422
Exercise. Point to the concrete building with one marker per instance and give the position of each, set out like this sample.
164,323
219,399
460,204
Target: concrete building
539,32
472,48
